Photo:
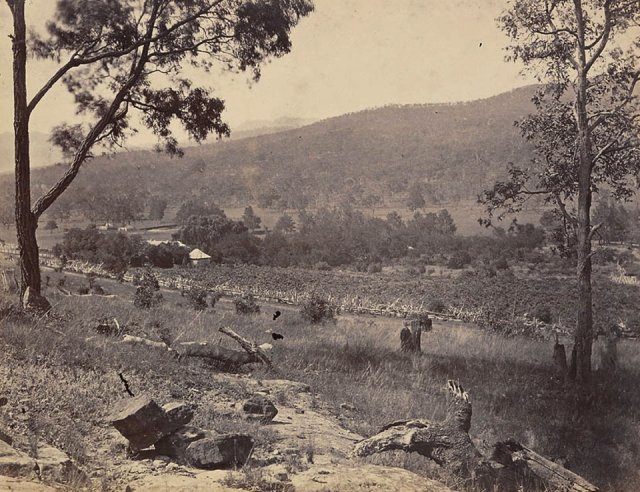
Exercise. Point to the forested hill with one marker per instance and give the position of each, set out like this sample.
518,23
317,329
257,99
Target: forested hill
453,150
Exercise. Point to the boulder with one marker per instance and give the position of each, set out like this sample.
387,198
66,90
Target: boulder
32,301
259,408
175,445
222,451
141,421
56,466
179,412
14,463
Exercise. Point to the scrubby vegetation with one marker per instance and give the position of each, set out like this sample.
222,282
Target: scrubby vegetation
354,361
316,310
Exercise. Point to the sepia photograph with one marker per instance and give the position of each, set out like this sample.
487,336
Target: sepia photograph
320,245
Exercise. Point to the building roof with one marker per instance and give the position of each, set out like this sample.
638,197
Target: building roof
156,242
197,254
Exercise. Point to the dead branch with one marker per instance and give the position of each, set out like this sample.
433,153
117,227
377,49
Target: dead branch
448,444
251,347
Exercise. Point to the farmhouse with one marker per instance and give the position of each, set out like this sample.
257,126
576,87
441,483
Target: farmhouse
198,256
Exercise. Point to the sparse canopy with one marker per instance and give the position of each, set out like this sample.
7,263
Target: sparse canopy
118,57
585,131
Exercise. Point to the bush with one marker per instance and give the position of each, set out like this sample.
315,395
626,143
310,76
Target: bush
317,310
215,297
459,260
501,264
437,306
50,225
246,304
148,292
322,265
542,313
197,298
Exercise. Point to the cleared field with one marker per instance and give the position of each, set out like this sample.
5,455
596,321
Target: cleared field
354,361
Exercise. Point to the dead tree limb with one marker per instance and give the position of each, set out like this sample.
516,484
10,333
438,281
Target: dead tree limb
251,347
448,444
512,454
215,352
203,350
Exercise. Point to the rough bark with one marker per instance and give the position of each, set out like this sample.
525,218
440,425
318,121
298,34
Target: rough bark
411,334
584,324
204,350
510,467
447,443
551,475
250,347
26,221
560,358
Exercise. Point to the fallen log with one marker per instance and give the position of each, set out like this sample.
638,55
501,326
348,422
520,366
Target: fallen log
447,443
204,350
215,352
512,454
250,347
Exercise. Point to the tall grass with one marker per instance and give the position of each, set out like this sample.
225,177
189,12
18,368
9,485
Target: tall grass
66,378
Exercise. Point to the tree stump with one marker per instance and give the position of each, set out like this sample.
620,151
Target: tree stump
511,467
411,334
560,358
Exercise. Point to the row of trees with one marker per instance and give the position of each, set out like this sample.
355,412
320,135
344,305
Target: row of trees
340,236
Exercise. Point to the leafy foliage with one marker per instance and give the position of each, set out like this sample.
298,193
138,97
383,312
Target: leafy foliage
246,304
147,293
317,309
197,298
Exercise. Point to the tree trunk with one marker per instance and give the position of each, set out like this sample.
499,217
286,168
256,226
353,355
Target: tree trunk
410,336
26,221
584,324
560,358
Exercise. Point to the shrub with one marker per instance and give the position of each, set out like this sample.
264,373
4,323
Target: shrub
317,310
246,304
197,298
322,265
437,306
50,225
459,260
215,297
148,292
542,313
501,264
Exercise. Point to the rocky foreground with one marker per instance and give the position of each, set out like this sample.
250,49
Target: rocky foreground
309,450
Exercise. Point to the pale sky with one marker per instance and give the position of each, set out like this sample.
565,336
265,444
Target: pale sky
348,55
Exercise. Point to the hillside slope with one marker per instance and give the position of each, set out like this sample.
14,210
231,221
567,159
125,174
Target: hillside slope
453,150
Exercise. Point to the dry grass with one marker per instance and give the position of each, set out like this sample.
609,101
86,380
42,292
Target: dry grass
66,379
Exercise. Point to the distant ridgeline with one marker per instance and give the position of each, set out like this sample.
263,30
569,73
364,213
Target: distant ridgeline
452,150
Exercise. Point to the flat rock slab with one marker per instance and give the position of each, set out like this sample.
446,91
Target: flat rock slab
179,412
18,485
14,463
260,409
56,466
363,477
141,421
221,451
175,445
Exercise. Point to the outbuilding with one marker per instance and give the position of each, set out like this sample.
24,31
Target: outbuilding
197,256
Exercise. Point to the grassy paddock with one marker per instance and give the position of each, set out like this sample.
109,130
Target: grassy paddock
66,379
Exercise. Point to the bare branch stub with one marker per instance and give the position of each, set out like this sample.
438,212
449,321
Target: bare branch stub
251,347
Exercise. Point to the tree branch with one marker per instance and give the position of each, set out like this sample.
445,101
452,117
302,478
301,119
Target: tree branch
45,201
76,62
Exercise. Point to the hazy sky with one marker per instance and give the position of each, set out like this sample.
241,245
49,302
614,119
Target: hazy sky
347,56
